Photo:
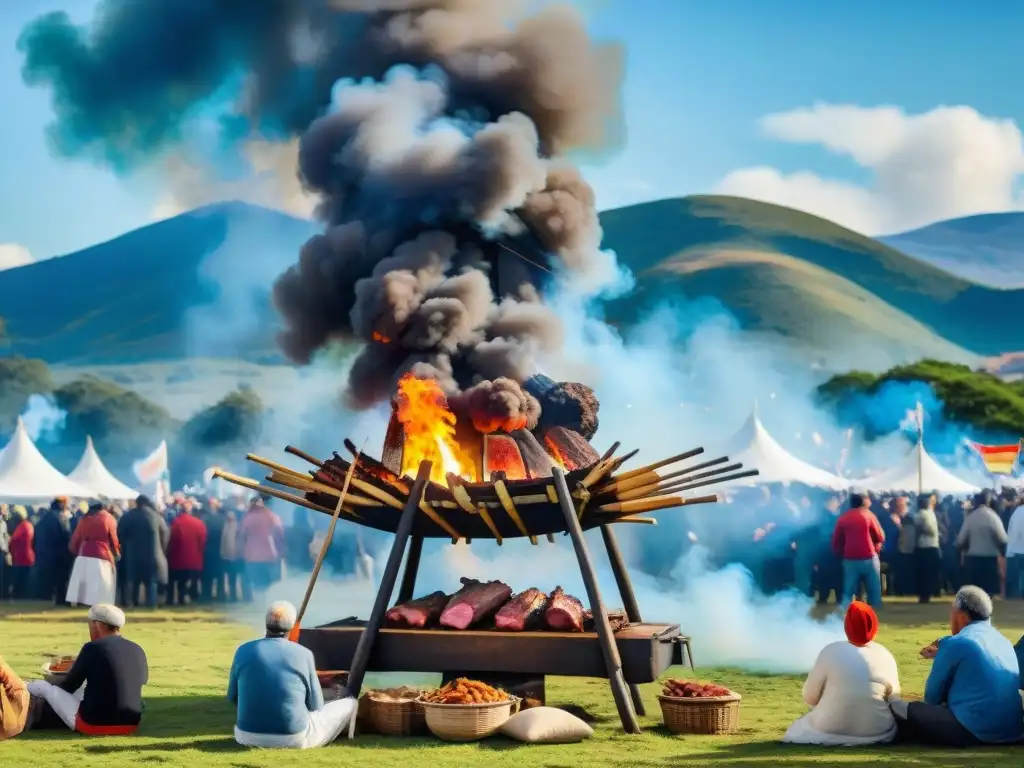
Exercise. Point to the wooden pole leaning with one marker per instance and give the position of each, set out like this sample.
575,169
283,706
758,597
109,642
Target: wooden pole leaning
412,569
629,604
606,639
368,637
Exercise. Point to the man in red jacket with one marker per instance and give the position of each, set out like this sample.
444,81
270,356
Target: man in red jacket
857,540
185,556
23,554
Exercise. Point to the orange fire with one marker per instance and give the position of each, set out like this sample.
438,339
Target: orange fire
429,428
556,454
381,338
493,424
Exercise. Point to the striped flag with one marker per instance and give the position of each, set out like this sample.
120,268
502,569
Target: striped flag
154,467
999,459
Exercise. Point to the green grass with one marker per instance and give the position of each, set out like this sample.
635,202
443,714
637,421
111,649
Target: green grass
188,722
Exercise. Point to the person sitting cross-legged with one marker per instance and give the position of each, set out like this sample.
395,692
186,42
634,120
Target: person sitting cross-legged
972,696
849,689
274,685
113,671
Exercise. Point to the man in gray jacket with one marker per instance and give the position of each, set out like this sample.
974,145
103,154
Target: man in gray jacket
982,539
927,555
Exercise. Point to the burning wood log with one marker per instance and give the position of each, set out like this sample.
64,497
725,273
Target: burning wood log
538,462
501,454
570,449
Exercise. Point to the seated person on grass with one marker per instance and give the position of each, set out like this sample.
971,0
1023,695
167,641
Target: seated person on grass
972,695
849,689
274,685
13,702
113,671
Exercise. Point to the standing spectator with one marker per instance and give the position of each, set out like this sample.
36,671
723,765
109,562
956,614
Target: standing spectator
53,558
97,549
185,556
890,523
298,538
145,537
906,546
858,540
213,563
23,555
231,557
1015,553
262,541
6,571
983,541
927,555
830,568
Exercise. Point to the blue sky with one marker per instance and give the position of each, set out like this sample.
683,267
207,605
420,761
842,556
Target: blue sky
700,76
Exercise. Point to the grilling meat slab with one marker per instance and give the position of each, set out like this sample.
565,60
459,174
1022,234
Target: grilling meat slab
523,612
564,612
474,602
418,613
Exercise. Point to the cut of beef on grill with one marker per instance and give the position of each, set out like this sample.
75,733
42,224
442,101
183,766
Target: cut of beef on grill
564,612
419,613
474,602
523,612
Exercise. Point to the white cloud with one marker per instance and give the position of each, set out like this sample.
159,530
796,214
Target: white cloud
941,164
13,255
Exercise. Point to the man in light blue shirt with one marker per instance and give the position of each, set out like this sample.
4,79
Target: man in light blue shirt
972,695
274,685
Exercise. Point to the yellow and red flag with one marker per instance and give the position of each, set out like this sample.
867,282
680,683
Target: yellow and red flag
999,459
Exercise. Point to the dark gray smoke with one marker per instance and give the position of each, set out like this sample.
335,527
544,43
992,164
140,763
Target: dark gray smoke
433,132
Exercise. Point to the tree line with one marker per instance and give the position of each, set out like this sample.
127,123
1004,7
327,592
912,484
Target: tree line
124,425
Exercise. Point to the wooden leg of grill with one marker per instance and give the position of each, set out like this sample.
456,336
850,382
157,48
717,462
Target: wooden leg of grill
368,637
629,603
610,651
412,568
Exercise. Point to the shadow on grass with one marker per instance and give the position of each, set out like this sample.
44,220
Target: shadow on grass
221,744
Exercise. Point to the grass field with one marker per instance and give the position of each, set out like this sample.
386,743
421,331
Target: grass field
188,722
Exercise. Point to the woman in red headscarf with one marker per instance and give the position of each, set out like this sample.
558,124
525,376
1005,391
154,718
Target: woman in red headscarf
849,688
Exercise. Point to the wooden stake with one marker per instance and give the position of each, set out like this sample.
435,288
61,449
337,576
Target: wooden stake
291,498
630,483
686,485
510,509
440,521
606,640
485,515
659,464
661,486
629,603
412,568
655,503
611,451
293,635
630,519
309,485
303,455
597,472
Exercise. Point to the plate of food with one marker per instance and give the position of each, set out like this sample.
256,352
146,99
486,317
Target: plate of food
57,668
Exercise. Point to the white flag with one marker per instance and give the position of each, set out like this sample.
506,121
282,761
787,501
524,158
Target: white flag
154,467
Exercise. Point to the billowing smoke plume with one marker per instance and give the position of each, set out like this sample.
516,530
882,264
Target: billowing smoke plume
433,132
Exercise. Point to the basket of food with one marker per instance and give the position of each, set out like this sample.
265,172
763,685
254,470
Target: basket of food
691,707
466,710
394,711
55,670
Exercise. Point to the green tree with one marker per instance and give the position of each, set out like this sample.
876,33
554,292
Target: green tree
978,398
20,378
219,435
123,424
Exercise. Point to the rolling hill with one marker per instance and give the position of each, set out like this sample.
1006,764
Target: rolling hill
988,249
197,286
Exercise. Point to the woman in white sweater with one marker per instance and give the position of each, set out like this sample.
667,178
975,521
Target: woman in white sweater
849,689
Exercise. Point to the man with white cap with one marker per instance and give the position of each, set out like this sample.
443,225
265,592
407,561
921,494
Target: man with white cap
972,694
113,671
275,688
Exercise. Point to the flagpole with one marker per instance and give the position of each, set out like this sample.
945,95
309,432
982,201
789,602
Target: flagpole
920,450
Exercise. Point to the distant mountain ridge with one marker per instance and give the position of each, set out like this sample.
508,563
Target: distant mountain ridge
198,285
988,248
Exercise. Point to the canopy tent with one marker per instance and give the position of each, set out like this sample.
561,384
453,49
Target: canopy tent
904,477
91,473
758,450
25,476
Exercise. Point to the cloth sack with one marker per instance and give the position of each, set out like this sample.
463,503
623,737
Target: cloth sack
546,725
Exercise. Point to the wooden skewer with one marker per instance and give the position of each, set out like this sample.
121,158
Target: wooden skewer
485,515
631,519
659,464
303,455
611,451
281,468
510,509
660,486
655,503
293,635
440,521
312,486
597,472
377,493
254,486
637,481
689,486
462,497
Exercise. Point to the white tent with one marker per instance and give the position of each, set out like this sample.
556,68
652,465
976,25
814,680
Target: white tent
28,477
758,450
91,473
904,477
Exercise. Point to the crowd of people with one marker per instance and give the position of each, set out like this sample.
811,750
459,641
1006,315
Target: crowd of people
192,550
836,546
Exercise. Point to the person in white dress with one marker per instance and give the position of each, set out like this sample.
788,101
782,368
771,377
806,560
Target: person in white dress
849,689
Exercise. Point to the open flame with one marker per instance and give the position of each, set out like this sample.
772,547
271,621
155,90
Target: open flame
429,428
557,455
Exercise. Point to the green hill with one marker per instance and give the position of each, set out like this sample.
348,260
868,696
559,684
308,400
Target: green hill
805,277
198,286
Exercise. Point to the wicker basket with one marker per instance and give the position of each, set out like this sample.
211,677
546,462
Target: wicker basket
394,718
467,722
715,715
